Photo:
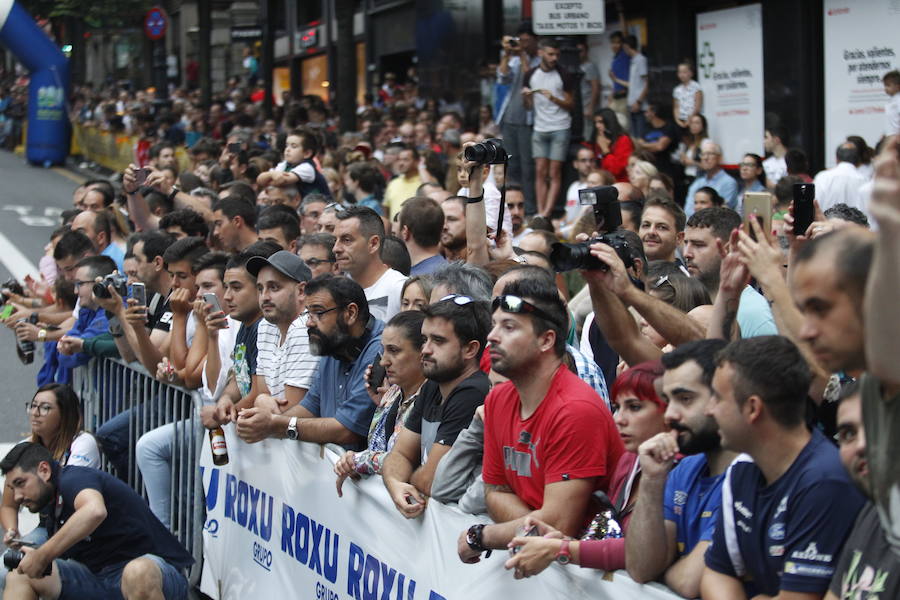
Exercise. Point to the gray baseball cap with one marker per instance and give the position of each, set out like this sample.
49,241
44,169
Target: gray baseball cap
287,263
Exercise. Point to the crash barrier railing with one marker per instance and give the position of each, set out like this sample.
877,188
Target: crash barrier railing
115,151
112,388
276,528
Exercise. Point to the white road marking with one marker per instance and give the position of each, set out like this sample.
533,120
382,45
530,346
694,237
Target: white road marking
15,262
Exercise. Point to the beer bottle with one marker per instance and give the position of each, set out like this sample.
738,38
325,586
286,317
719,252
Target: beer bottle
217,444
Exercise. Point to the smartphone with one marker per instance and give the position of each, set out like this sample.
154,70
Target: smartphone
804,211
140,176
760,204
234,147
139,292
530,532
377,374
7,311
23,542
411,500
605,200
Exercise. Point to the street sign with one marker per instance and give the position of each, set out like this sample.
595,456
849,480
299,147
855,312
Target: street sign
554,17
155,23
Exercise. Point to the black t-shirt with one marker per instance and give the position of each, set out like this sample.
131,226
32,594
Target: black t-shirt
867,567
129,531
159,313
244,356
439,422
663,159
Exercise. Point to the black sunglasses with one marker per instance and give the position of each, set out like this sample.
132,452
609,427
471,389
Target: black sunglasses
517,305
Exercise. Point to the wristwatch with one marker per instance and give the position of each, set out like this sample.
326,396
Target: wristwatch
564,557
473,539
292,433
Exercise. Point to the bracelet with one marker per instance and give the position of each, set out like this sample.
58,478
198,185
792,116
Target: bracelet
475,200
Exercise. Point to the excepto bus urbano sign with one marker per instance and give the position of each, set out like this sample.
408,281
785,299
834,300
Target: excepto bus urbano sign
557,17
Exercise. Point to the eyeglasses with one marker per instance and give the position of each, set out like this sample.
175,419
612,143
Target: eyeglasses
43,409
78,283
751,165
309,313
457,299
708,154
312,263
516,305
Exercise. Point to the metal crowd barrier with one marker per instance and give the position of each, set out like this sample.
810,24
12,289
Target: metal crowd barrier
109,387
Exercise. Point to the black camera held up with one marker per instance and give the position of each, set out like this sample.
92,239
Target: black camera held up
117,280
608,215
488,152
12,558
11,286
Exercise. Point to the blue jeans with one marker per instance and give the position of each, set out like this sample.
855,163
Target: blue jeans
154,459
78,582
112,437
638,124
517,143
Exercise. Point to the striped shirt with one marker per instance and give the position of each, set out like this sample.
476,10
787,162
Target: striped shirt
290,363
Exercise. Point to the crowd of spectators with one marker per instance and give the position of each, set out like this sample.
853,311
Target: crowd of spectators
706,402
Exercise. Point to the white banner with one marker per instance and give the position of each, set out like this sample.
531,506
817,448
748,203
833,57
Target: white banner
552,17
861,45
730,71
276,529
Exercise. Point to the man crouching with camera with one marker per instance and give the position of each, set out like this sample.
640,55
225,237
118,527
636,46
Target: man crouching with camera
104,541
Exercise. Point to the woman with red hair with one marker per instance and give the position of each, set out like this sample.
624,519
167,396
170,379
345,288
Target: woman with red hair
639,416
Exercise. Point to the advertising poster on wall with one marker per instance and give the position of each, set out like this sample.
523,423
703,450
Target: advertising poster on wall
730,71
861,45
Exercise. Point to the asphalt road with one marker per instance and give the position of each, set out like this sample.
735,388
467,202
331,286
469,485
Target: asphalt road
31,199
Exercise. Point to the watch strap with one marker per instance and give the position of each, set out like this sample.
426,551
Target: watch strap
564,556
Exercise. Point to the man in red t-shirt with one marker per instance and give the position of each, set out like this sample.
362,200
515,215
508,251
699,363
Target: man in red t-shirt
548,442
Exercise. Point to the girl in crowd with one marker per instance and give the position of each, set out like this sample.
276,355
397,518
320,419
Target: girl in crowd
639,416
56,424
416,292
689,152
752,177
687,95
611,146
402,341
640,174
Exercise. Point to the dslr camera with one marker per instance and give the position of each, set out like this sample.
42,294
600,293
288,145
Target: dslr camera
117,280
605,202
566,257
488,152
12,558
10,286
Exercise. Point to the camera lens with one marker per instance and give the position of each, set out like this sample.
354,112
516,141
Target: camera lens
100,290
476,153
12,558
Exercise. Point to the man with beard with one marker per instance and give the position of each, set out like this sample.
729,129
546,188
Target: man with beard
455,330
285,366
453,236
336,409
662,229
109,543
675,513
788,505
706,244
549,442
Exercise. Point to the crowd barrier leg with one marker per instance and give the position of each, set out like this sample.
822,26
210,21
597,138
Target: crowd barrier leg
111,387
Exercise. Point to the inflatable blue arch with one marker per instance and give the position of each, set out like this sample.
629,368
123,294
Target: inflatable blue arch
48,124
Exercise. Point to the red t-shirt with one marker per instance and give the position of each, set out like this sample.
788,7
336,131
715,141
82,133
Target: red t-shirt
570,436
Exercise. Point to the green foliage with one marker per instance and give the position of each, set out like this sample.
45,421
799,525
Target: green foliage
94,13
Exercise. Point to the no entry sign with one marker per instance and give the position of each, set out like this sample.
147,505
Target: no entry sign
155,23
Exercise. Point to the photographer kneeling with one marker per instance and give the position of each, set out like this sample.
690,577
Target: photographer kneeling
104,541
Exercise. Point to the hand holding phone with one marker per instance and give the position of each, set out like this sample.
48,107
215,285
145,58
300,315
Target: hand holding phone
213,302
804,209
140,176
377,373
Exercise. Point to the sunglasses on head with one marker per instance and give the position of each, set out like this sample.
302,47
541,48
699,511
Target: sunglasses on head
457,299
514,304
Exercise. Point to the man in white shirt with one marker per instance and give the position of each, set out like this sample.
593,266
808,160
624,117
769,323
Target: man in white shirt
549,91
774,166
842,182
891,82
359,232
584,163
637,86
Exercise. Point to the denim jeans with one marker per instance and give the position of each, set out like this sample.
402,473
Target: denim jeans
79,582
154,459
